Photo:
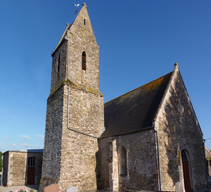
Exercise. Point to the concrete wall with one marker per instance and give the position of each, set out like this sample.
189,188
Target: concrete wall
142,169
17,171
177,124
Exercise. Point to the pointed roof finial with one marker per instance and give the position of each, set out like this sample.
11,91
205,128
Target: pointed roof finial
176,64
84,4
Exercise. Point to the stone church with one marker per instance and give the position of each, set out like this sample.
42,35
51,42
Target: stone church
147,139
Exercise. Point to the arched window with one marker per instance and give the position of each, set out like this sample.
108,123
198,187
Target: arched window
84,61
123,162
59,63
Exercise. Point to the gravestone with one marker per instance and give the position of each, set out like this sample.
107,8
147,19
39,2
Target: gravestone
71,189
51,188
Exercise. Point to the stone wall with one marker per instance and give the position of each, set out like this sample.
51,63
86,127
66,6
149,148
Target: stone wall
177,124
53,140
78,162
142,169
105,158
18,169
58,73
81,38
86,111
70,157
79,151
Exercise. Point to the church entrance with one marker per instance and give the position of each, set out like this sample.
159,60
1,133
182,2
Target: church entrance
186,171
31,175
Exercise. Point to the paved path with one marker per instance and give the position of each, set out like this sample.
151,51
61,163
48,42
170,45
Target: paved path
15,188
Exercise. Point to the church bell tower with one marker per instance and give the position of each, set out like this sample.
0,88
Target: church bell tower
75,110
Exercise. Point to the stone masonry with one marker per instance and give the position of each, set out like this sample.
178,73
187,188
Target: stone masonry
142,168
176,123
16,171
75,117
151,139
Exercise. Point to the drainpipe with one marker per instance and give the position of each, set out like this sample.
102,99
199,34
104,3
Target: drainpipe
158,158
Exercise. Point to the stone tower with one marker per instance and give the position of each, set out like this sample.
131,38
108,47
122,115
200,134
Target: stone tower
75,110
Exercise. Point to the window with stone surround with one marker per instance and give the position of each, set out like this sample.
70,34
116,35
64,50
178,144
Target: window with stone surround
123,162
31,162
84,61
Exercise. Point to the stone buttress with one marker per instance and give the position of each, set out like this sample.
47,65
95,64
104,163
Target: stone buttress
75,110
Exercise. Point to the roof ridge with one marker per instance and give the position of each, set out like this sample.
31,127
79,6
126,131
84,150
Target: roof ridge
137,88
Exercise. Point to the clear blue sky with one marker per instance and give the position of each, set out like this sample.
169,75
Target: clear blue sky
139,42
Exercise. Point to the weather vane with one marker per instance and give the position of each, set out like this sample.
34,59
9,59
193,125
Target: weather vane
76,8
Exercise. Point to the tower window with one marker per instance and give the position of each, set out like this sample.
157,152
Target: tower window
59,63
123,162
84,61
84,21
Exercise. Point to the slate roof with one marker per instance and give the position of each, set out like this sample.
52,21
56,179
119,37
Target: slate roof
135,110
